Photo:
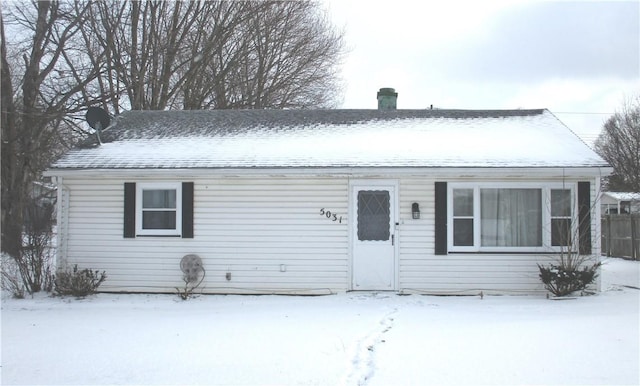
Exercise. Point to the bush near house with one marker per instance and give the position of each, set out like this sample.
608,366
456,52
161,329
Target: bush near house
562,280
10,278
78,283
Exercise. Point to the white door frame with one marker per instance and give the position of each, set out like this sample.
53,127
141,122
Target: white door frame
394,221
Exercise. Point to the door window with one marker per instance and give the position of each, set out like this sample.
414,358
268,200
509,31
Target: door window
374,215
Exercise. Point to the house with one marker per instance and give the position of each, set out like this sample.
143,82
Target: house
620,203
321,201
41,210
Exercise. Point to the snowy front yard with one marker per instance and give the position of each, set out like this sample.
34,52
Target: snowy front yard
345,339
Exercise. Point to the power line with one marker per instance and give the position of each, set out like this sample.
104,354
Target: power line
581,112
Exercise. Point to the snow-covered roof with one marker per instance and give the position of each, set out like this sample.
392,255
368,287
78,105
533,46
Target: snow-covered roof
623,196
333,138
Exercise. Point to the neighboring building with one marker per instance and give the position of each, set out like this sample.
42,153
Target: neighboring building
318,201
40,214
44,192
620,203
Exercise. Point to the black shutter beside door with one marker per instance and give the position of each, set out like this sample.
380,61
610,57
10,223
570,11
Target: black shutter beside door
440,218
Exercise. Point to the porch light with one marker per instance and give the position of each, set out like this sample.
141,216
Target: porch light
415,211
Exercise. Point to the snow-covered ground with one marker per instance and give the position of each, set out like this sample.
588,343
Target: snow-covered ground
345,339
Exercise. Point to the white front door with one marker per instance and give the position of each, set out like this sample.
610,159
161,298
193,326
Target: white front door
373,235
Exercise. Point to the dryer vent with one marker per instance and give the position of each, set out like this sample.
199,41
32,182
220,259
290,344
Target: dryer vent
191,266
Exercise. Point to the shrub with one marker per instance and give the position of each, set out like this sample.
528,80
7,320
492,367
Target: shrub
78,283
574,267
11,279
37,249
191,266
561,280
189,284
186,292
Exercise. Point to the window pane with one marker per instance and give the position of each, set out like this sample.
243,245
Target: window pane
165,198
560,232
625,207
374,216
463,202
463,232
158,220
511,217
560,203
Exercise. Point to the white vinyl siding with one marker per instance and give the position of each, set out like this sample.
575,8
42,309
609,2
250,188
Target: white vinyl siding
421,271
258,228
270,234
267,233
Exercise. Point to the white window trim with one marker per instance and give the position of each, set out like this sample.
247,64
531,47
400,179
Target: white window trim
177,186
546,215
573,218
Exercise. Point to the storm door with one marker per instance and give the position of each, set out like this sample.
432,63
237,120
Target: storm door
373,236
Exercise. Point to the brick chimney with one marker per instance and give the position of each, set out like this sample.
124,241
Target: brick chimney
387,99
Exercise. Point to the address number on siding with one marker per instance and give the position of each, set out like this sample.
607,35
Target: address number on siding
330,215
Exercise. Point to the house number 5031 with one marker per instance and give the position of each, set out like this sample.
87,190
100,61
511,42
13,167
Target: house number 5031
330,215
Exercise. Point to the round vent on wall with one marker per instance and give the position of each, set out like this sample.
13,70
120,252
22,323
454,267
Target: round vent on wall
191,265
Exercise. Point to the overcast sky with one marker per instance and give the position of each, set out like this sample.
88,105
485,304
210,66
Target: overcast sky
579,59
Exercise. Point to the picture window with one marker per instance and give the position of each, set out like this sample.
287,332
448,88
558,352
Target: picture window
509,217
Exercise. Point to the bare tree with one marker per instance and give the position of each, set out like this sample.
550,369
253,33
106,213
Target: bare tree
291,58
66,56
218,54
619,145
154,48
44,86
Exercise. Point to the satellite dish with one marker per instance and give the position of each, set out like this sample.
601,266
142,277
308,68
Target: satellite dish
191,266
97,118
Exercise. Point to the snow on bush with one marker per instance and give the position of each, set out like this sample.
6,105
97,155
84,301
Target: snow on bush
78,283
561,280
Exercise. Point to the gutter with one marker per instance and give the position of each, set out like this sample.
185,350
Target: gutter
458,172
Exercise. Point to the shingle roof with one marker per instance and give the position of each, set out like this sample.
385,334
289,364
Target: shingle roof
333,138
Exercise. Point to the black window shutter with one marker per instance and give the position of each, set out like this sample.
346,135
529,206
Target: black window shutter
129,210
584,217
441,218
187,210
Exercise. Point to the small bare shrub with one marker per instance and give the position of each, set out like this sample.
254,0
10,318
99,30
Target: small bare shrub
78,283
191,272
36,253
186,292
11,279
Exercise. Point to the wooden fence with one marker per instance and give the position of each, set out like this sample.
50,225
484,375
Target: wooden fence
621,235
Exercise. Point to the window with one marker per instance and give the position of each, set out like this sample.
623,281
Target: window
463,217
509,217
158,209
374,211
561,217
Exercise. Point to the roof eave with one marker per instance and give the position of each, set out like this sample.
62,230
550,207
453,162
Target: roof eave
436,172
